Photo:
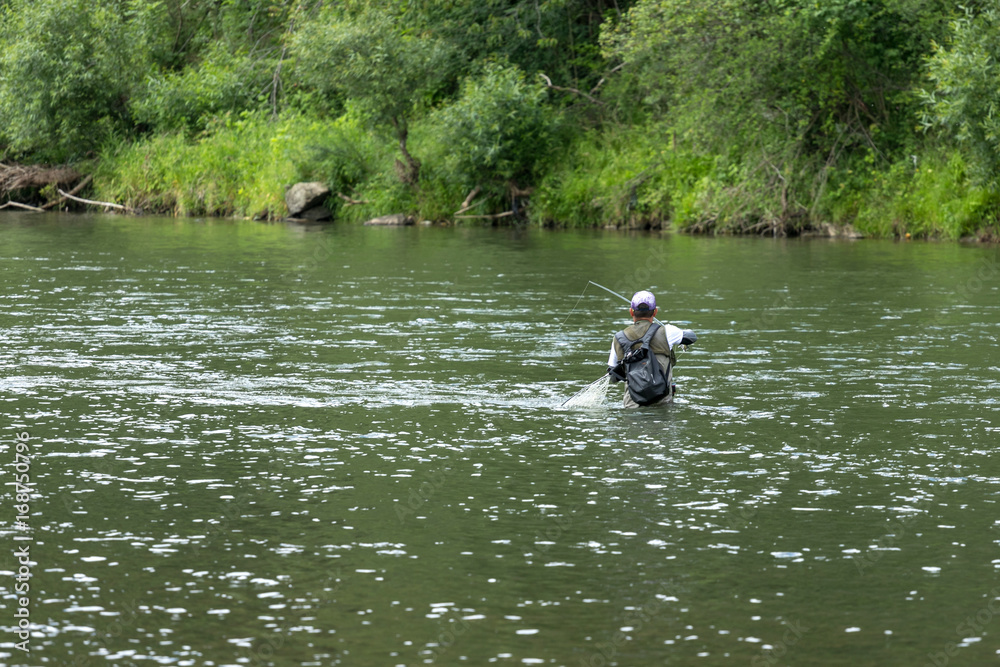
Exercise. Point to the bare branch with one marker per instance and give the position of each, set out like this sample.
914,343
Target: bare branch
605,78
487,217
80,186
352,202
276,83
24,206
94,203
548,82
467,204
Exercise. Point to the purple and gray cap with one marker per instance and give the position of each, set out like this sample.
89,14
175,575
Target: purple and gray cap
643,301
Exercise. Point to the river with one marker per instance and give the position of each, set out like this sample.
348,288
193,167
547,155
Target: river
272,444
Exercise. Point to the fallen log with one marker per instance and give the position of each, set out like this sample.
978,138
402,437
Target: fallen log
28,207
80,186
352,202
91,202
467,204
487,217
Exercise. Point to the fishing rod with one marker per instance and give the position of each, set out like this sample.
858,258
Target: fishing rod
603,378
609,291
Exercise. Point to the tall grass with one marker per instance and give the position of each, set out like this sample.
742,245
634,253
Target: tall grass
240,167
632,177
622,177
925,196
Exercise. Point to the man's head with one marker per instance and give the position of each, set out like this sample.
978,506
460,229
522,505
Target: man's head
643,306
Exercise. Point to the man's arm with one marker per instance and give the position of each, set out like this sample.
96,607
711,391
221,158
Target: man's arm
615,369
676,336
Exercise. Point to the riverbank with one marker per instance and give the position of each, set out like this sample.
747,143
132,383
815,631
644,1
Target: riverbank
858,118
629,179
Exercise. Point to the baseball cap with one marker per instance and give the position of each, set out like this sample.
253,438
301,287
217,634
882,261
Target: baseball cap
643,301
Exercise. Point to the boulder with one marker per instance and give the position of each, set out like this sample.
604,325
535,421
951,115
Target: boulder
315,214
395,220
304,196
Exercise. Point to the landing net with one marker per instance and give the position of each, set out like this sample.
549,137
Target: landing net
590,396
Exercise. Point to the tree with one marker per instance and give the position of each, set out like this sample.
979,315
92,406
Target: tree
556,37
783,91
211,58
963,98
371,60
500,130
222,82
68,71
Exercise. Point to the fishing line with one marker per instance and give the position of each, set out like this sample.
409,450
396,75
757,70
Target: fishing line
593,393
570,314
589,283
609,291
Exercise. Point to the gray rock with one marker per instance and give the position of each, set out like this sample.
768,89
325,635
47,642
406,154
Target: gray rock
303,196
395,220
316,214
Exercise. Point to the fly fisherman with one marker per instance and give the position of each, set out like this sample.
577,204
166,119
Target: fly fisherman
646,385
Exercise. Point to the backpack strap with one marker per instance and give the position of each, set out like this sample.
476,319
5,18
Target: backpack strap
648,338
627,343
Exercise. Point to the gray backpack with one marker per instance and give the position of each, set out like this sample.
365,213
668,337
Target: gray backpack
645,378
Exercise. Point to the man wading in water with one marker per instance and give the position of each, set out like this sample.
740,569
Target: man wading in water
661,344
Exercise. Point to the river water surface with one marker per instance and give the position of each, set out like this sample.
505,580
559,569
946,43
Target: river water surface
268,444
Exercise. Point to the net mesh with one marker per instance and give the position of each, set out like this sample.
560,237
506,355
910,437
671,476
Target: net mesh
590,396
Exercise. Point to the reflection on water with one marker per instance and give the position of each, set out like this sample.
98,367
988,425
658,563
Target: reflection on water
267,444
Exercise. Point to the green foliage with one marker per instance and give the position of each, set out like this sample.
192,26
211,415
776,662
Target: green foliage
211,58
239,169
924,196
778,92
373,61
190,98
557,37
964,93
354,163
499,130
633,178
179,32
825,75
66,78
243,164
710,115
